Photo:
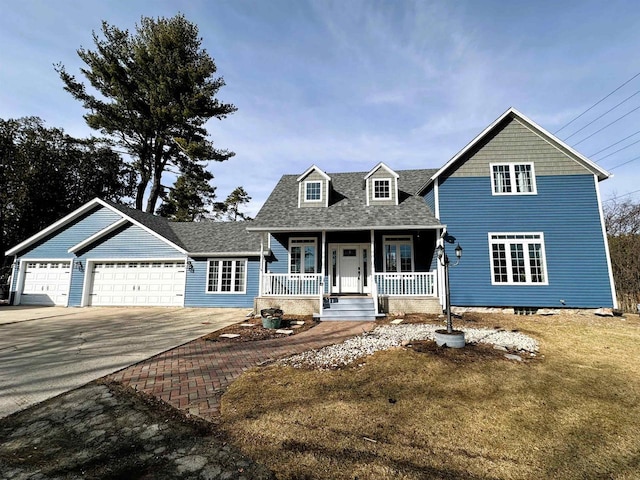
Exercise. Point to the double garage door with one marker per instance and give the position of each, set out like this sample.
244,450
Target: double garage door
137,283
46,283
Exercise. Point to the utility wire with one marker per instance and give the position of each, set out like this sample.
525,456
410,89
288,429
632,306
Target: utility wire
619,150
607,126
620,196
624,163
598,118
614,144
597,103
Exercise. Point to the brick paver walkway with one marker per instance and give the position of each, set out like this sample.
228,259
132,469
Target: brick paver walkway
194,376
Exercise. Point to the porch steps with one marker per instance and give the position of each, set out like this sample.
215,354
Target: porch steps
348,308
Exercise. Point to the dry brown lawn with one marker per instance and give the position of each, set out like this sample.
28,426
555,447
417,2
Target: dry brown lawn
572,413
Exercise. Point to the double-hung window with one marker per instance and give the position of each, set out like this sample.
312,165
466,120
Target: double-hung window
313,191
517,259
302,255
513,179
398,254
227,276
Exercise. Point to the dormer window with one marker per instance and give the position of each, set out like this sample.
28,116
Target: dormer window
313,191
381,185
382,189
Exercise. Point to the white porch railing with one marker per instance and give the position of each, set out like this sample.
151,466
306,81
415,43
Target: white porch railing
291,284
406,284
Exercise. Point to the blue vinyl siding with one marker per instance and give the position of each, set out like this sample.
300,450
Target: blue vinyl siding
56,246
280,262
429,197
196,295
565,210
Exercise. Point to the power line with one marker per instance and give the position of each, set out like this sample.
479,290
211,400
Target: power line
619,150
607,126
614,144
598,118
597,103
624,163
620,196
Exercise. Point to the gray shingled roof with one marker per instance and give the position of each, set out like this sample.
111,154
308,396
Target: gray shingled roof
198,237
347,206
216,237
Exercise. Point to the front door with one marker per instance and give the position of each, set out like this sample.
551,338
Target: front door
349,268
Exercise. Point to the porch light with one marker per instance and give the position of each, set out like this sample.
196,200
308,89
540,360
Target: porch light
77,264
458,252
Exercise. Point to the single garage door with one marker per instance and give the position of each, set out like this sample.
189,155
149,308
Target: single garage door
138,283
46,283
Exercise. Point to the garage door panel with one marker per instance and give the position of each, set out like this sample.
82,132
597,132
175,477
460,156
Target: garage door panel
46,283
138,283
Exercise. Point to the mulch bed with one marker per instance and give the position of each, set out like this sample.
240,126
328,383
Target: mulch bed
258,332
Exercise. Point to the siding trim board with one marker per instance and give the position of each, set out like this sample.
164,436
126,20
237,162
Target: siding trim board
606,244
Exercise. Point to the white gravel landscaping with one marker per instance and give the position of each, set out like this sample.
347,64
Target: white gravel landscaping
390,336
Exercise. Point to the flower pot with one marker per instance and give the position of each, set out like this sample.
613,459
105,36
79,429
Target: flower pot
455,339
271,322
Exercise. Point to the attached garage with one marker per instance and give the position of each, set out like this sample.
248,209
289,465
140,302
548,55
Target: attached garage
159,283
46,283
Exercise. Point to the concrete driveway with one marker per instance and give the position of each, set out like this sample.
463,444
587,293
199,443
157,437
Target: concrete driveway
46,351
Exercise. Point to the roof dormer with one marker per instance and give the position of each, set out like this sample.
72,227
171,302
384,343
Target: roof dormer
381,184
313,188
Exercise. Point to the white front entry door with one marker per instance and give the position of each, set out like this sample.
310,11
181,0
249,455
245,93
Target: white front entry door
159,283
46,283
350,270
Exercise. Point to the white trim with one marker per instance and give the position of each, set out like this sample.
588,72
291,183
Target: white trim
436,197
309,170
379,166
612,282
303,241
233,276
512,178
401,239
535,128
308,200
527,263
75,214
98,235
22,271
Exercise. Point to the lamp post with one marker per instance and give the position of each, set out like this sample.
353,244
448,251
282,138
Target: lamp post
443,258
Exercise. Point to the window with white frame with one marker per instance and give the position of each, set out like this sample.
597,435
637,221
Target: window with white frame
302,255
517,259
513,178
381,189
313,191
398,254
227,276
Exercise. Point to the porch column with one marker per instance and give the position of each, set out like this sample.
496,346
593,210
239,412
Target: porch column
260,277
322,268
374,284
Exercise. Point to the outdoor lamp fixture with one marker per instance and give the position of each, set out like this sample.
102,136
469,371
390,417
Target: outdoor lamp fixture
77,264
189,266
444,261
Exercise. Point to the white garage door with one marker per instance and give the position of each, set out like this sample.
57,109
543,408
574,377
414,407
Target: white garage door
138,283
46,283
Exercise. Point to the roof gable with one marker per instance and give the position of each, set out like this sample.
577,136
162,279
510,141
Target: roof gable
311,169
533,127
378,167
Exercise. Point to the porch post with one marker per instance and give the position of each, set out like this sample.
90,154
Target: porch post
261,277
374,284
322,269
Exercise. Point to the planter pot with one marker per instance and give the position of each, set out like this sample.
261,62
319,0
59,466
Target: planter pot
451,340
271,322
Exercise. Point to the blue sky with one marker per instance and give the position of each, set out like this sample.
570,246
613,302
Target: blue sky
348,84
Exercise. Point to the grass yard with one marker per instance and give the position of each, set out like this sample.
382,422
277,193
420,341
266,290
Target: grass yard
571,413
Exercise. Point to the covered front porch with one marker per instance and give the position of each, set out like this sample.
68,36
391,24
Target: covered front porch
351,274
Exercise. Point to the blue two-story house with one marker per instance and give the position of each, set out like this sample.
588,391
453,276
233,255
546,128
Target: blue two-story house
524,206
